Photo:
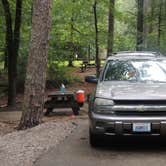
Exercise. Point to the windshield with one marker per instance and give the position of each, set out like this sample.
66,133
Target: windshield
135,70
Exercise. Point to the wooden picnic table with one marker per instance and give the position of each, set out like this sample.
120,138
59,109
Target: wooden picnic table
58,99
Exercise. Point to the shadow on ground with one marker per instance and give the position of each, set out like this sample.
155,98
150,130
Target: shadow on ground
145,144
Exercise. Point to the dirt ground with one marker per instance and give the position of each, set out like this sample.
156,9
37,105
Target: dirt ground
7,126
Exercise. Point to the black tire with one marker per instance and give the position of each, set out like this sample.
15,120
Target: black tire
94,139
91,79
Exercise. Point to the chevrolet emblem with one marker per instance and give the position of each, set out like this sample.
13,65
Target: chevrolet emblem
140,108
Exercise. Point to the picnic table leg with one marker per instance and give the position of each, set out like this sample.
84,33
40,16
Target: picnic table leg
48,111
82,68
75,108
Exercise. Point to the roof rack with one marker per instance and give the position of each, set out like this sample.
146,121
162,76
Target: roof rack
156,53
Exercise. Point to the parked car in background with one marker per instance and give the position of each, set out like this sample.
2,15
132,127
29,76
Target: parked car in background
130,97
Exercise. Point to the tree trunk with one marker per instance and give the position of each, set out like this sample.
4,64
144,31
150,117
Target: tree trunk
147,5
37,65
17,30
89,53
151,28
71,43
159,25
12,47
110,28
140,17
71,56
10,54
5,58
96,38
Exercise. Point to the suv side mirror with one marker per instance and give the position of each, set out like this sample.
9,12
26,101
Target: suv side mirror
91,79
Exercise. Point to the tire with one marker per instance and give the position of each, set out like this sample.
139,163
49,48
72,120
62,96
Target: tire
91,79
94,139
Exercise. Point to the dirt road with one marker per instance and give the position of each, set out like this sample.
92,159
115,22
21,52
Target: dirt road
76,151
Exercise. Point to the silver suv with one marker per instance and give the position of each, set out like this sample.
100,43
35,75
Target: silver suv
130,97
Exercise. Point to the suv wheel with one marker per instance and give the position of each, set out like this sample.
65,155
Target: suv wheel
94,139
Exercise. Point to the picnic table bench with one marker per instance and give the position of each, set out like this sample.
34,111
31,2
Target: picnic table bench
62,100
85,65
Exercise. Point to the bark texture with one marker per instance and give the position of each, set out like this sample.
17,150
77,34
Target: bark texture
37,65
111,28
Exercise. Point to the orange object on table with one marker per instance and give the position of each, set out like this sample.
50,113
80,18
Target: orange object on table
80,96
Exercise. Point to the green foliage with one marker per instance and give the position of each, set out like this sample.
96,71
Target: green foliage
58,74
2,33
73,31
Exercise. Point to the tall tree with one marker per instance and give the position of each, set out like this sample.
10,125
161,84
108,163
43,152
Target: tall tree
152,6
71,36
140,20
12,47
96,38
37,65
159,23
147,11
16,36
110,27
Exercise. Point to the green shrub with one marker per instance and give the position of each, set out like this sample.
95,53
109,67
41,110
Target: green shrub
58,75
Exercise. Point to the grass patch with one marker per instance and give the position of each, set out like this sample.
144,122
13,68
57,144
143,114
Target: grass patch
76,63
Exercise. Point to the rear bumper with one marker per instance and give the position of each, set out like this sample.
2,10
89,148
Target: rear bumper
123,125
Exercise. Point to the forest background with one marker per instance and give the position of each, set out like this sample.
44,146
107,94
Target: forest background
80,30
